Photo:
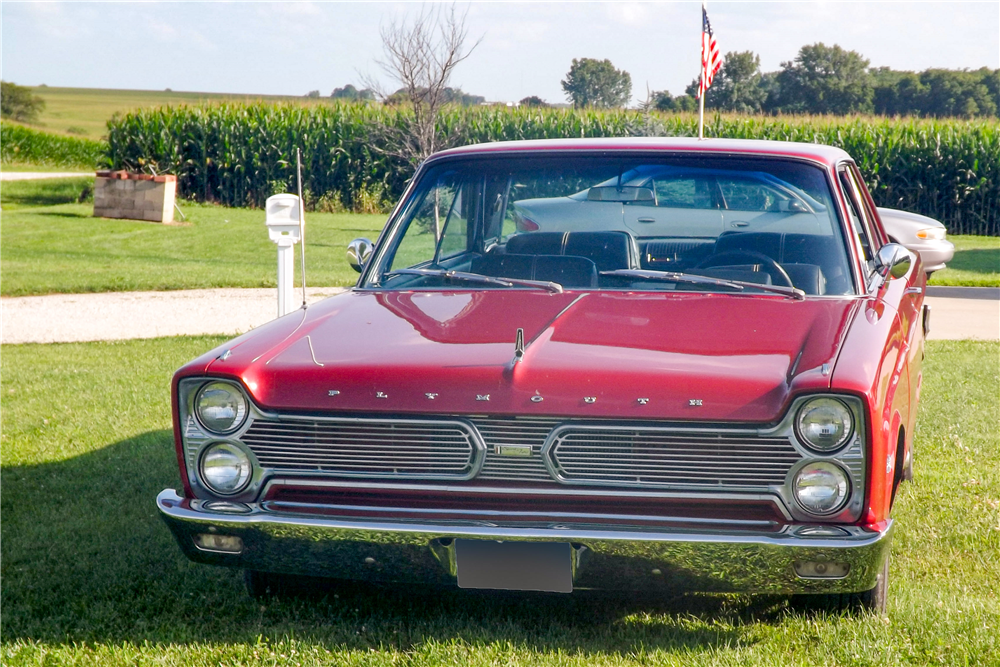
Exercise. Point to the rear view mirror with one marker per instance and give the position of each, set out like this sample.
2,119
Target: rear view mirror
358,252
626,193
893,261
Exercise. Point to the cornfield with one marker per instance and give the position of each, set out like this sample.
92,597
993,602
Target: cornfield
20,144
239,154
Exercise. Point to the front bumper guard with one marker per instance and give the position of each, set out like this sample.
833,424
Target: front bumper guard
604,557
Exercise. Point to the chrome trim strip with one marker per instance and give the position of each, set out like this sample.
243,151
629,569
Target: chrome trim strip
506,515
523,491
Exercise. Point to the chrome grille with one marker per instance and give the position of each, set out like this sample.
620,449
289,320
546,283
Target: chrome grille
524,432
366,447
652,457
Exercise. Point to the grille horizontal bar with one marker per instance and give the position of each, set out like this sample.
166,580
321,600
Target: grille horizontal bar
366,447
650,457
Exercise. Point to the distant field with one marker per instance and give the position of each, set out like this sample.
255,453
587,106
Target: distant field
84,112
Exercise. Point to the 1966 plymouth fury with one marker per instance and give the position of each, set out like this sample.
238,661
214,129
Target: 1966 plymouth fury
657,364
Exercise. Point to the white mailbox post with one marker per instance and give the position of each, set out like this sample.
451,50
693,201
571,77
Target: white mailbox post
284,229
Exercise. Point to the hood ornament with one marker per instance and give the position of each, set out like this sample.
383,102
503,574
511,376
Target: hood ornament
518,348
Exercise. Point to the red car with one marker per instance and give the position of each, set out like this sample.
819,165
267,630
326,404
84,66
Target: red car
724,400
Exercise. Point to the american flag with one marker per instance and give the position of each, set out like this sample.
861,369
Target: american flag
710,60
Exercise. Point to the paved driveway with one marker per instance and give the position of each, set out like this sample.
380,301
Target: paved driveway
60,318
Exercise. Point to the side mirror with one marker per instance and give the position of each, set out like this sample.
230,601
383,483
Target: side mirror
358,252
893,261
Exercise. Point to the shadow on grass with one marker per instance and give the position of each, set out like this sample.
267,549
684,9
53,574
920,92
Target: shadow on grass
978,260
47,192
85,558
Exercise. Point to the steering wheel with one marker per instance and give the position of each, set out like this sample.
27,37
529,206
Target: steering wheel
778,274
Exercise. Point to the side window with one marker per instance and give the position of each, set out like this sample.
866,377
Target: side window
454,238
439,226
683,192
860,229
866,206
498,222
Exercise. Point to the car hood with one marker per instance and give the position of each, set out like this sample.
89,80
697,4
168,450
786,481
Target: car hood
679,356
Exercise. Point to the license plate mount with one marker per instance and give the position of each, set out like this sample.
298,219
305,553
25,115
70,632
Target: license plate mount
515,566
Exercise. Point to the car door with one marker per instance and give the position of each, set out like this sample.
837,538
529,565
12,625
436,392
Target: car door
751,205
685,205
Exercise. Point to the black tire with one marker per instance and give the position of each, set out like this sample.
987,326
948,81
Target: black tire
872,600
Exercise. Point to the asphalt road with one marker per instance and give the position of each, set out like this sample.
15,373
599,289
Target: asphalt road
62,318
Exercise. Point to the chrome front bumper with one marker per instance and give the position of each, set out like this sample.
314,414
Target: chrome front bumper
604,557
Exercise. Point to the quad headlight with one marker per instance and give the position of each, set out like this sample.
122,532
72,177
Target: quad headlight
821,487
225,468
824,424
220,407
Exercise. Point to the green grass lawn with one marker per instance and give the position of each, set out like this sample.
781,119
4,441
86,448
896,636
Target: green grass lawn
84,112
91,576
976,262
51,245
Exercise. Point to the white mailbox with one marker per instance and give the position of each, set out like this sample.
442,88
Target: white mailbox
284,229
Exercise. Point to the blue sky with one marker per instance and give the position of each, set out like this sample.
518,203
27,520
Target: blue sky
291,48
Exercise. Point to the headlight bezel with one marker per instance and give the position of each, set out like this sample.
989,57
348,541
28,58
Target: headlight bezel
247,476
849,430
242,413
846,483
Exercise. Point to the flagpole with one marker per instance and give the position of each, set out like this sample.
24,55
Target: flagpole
701,97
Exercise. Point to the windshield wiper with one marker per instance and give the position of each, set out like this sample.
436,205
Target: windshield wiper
555,288
677,277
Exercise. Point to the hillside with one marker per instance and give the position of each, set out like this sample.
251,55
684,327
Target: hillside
84,112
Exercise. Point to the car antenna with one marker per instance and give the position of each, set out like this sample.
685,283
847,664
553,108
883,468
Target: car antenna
302,222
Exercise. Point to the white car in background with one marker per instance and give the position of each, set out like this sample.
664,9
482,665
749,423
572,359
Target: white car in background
919,234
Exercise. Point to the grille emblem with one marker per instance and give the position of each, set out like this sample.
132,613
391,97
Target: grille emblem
333,392
512,450
482,397
643,401
537,399
431,396
590,399
381,394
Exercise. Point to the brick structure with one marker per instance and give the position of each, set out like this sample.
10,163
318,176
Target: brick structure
119,194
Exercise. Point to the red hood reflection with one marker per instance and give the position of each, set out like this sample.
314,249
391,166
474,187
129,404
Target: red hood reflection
685,356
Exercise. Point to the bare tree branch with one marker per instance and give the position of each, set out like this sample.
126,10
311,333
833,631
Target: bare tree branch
421,57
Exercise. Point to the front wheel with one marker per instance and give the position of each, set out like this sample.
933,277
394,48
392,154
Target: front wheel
873,600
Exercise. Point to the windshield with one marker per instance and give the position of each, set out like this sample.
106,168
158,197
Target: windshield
754,225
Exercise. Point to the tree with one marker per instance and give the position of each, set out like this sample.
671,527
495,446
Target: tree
824,79
17,103
352,94
422,57
596,83
897,93
737,86
313,94
957,93
534,101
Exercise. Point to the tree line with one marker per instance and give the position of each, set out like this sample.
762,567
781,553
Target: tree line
831,80
821,79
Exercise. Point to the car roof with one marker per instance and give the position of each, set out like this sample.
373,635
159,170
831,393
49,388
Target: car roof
827,155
